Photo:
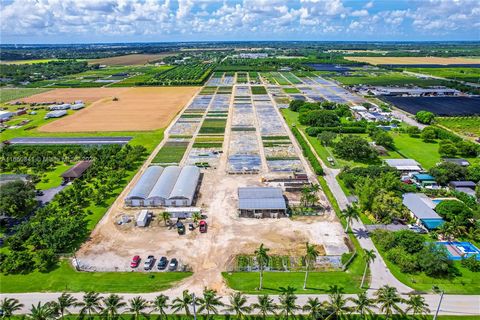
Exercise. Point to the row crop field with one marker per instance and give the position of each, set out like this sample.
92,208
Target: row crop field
384,79
171,152
182,75
442,106
463,74
465,126
8,94
213,125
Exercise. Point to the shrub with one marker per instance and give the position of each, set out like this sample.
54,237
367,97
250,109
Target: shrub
452,209
319,118
425,117
352,147
307,152
471,263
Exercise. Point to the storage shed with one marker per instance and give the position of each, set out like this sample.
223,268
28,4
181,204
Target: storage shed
261,202
404,165
76,171
143,218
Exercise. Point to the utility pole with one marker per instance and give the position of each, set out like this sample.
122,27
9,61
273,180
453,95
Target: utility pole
439,304
194,308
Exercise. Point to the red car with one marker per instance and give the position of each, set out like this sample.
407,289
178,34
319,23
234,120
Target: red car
135,262
202,226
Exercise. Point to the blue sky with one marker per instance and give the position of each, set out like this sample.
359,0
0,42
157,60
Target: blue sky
79,21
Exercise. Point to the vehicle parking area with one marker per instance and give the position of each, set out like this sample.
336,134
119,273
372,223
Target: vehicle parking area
111,246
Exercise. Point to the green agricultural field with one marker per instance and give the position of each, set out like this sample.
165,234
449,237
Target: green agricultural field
208,90
390,78
65,278
468,127
258,90
211,125
171,152
463,74
291,77
31,61
8,94
280,79
291,90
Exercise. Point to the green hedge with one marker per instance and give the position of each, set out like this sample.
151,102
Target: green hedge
314,131
307,152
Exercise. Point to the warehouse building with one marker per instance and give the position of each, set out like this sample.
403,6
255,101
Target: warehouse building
261,202
165,187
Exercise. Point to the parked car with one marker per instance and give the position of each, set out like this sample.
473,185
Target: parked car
173,265
149,263
39,193
191,227
135,262
162,263
180,228
203,226
416,228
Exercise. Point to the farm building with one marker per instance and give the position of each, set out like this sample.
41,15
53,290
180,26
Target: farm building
261,202
421,209
397,91
467,187
64,106
55,114
77,106
460,162
5,115
165,187
404,165
76,171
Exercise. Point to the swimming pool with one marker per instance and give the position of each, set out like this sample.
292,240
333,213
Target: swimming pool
437,201
456,250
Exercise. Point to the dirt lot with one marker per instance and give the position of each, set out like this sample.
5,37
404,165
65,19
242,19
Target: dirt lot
414,60
137,109
131,59
111,246
87,95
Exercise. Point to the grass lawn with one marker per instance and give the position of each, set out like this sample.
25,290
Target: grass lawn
65,278
425,153
52,179
7,94
468,127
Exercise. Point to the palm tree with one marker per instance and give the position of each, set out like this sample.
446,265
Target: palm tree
166,216
287,302
90,304
368,256
41,312
310,258
388,300
416,304
160,304
137,305
62,304
209,302
265,305
112,304
337,304
196,216
363,304
183,303
9,306
350,213
314,308
238,305
262,259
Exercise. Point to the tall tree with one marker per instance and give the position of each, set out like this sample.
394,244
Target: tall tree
314,308
18,199
137,305
209,302
417,305
183,303
337,304
9,306
368,256
111,305
388,301
311,255
91,304
350,213
160,304
262,259
265,305
63,303
238,305
362,305
288,303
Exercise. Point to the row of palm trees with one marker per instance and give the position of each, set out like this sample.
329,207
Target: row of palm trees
386,300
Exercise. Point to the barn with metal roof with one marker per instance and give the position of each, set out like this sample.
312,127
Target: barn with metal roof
261,202
170,186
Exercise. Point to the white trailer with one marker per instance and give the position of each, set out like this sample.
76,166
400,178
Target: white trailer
143,218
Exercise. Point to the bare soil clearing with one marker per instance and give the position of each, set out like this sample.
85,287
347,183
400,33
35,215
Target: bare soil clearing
137,109
131,59
415,60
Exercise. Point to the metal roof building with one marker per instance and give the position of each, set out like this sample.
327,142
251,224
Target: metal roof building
261,202
404,164
170,186
421,208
